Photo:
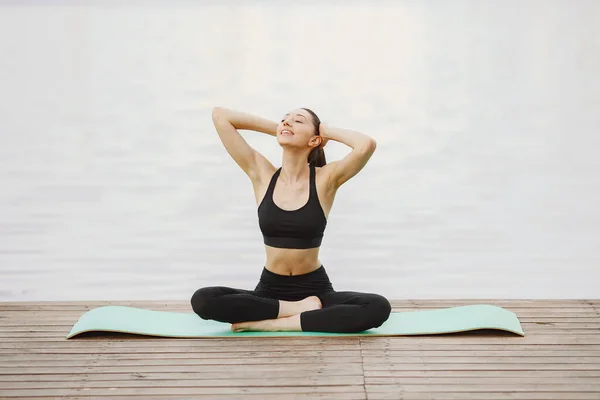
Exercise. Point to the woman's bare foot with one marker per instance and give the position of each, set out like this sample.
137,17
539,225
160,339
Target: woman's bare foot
289,308
270,325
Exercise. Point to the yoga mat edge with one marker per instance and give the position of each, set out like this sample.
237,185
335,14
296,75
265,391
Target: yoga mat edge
138,321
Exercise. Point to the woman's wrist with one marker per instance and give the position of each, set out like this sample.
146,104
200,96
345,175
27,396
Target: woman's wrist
324,130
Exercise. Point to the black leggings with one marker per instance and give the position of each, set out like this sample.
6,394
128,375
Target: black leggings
342,312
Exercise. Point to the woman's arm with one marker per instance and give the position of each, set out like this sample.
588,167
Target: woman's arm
363,147
245,121
227,122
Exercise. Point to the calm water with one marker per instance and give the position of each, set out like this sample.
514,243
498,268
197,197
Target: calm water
485,183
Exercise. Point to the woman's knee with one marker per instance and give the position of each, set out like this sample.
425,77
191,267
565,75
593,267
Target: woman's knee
203,301
379,310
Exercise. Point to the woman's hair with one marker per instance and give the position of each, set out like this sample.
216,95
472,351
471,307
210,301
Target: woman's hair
317,155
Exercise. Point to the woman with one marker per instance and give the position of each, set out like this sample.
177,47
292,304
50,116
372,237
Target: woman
294,292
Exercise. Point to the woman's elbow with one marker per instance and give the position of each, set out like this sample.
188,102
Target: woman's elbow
216,111
370,145
219,114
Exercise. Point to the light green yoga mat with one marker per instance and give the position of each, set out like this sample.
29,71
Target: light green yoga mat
189,325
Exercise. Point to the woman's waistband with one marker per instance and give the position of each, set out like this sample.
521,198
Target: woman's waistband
294,287
317,274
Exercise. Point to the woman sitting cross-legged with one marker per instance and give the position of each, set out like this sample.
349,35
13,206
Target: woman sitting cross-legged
294,292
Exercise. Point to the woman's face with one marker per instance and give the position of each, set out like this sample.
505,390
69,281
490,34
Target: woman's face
296,128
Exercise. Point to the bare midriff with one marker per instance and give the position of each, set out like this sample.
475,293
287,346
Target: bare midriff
292,261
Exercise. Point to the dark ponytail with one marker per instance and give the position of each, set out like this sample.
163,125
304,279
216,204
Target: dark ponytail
317,155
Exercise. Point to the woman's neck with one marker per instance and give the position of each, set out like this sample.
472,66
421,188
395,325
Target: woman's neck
294,166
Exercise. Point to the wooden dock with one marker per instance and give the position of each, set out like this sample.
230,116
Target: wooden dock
558,359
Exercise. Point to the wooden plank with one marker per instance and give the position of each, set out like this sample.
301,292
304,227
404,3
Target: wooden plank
134,341
37,348
523,359
481,353
408,354
33,335
509,395
308,371
245,396
454,381
99,359
531,312
489,374
392,368
559,327
10,366
264,382
28,359
398,343
451,348
177,344
147,369
188,361
480,367
487,387
397,364
486,339
458,339
179,391
39,354
354,370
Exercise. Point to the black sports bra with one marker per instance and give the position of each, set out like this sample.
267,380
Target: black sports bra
297,229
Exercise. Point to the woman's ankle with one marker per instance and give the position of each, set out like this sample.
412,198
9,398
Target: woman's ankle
290,308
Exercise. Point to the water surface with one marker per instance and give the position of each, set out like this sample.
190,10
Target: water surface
484,183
